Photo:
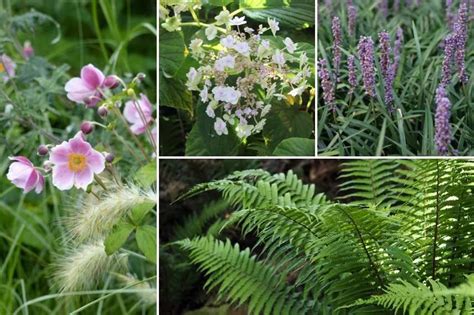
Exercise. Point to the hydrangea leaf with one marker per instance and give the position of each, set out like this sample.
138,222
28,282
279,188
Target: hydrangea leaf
295,14
295,147
172,52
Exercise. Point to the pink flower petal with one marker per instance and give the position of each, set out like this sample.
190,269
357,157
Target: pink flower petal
63,178
96,161
92,77
31,181
60,153
39,187
78,145
130,113
18,174
138,128
21,159
84,178
78,91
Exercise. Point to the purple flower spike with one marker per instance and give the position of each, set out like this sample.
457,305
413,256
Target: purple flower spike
366,56
449,13
396,49
352,73
383,7
449,50
385,49
352,18
460,29
442,127
396,5
337,42
326,84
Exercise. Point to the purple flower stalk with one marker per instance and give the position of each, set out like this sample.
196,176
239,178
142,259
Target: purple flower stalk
366,56
384,40
449,13
352,73
327,84
352,18
396,5
337,42
460,29
449,50
387,68
442,116
383,7
396,49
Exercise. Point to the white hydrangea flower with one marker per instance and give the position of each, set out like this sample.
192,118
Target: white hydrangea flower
211,32
228,41
223,17
290,46
274,25
243,48
225,62
243,130
303,59
194,78
220,127
196,46
236,21
210,111
226,94
297,91
172,23
248,30
265,110
278,58
204,94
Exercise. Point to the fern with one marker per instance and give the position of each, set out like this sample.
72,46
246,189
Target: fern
420,299
399,227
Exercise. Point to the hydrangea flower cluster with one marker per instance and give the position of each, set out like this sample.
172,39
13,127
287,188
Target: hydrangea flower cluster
229,79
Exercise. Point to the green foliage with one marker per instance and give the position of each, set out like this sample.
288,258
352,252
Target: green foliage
399,237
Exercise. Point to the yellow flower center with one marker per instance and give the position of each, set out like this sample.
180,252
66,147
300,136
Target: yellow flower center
77,162
2,67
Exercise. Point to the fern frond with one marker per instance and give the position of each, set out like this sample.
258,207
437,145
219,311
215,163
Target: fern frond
240,278
421,299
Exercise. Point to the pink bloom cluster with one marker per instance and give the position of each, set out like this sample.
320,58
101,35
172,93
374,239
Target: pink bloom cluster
73,163
7,68
90,87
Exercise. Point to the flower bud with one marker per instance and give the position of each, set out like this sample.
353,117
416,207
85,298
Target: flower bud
103,111
130,92
48,166
109,157
111,82
42,150
141,76
87,127
28,51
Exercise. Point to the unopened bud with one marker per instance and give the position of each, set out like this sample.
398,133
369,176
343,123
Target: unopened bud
42,150
87,127
130,92
111,82
103,111
109,157
141,76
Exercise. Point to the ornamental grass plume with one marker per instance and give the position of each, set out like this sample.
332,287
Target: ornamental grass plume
94,219
352,73
352,18
337,42
442,116
147,296
366,56
327,84
461,30
84,267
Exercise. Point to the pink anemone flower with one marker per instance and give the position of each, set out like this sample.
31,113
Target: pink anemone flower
23,174
75,163
7,68
88,89
132,115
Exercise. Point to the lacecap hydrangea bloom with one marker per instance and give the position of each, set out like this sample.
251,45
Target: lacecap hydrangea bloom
249,61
